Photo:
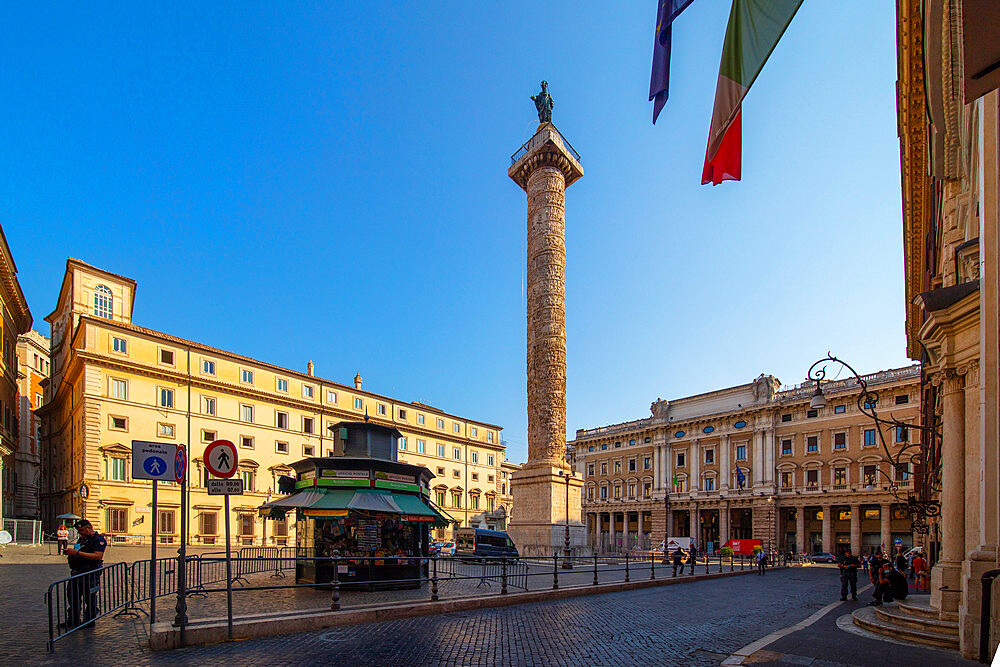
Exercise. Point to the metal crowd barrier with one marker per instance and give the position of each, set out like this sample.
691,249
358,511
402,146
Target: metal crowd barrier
79,600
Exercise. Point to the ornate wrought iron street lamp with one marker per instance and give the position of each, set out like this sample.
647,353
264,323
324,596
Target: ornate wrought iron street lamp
926,454
567,560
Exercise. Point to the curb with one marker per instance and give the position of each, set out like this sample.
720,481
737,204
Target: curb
165,636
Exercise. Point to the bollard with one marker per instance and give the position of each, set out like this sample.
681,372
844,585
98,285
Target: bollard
706,563
731,566
720,563
555,572
335,600
626,567
595,569
652,566
503,576
434,581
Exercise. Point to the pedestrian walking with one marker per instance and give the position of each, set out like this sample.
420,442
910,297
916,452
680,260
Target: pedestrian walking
761,562
900,560
85,559
62,538
920,571
848,566
678,560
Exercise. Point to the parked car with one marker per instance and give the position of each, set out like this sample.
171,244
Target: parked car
482,543
446,549
434,549
823,557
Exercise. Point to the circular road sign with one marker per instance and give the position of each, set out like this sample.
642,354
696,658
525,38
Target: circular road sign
180,464
220,459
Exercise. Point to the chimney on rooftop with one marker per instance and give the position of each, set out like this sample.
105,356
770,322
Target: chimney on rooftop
357,381
310,367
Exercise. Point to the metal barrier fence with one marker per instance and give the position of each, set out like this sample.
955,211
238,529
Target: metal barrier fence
78,601
24,531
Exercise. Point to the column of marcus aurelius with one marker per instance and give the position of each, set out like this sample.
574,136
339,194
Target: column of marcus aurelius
544,167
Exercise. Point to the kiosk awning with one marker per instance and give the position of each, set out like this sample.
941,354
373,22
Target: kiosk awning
338,502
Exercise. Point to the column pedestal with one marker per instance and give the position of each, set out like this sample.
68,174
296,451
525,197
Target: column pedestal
541,492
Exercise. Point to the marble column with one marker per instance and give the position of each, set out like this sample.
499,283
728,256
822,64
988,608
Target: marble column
612,538
757,444
885,516
723,523
769,454
694,453
827,529
724,463
800,530
946,588
668,469
695,526
856,529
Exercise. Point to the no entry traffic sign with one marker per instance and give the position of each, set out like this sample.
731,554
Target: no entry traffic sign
220,458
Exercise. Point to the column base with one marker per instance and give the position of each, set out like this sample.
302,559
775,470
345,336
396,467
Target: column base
546,539
946,589
973,568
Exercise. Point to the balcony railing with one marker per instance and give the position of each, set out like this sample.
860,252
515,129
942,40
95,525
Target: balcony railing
872,379
526,146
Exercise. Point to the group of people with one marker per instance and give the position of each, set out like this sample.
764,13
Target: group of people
680,558
888,576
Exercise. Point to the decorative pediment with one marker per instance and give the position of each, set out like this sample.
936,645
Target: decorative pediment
115,448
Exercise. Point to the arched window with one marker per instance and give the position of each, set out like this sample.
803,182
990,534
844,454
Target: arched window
103,302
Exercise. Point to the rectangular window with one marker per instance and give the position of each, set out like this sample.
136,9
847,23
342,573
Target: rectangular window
840,441
604,467
869,437
402,414
811,413
902,471
631,465
812,443
307,391
440,423
489,460
119,389
208,367
489,436
870,475
439,498
166,430
117,469
331,396
489,502
307,450
207,436
247,476
812,478
207,523
474,456
590,470
902,434
117,520
246,413
475,432
402,444
245,524
456,498
902,399
166,398
631,491
456,428
119,345
421,446
604,493
840,476
380,408
246,376
474,502
681,462
647,463
440,450
167,357
618,467
118,423
281,447
839,409
307,424
741,452
456,474
709,456
166,522
873,514
246,442
358,404
420,418
456,453
281,419
786,480
787,417
282,384
710,484
208,405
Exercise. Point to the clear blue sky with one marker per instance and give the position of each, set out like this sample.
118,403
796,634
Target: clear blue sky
296,181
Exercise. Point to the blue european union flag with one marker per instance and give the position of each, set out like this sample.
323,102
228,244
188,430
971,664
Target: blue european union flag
659,80
741,479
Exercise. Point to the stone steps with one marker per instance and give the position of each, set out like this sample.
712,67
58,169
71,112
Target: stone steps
887,623
901,615
919,606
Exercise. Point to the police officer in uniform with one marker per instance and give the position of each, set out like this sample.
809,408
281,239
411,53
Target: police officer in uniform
86,558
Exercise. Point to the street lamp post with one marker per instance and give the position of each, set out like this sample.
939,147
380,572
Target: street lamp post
567,562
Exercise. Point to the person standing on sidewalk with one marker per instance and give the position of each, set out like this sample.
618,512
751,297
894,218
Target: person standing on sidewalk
848,565
919,568
692,558
678,560
761,562
62,538
86,558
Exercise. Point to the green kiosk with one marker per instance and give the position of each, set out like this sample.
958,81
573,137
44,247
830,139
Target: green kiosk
362,503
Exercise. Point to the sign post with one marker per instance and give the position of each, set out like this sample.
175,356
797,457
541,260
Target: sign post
220,460
149,461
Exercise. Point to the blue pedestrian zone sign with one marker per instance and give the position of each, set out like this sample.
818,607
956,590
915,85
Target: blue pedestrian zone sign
153,460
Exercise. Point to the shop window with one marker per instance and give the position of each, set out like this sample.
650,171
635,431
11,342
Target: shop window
844,515
873,514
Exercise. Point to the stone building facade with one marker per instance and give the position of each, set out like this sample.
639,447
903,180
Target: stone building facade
753,461
32,369
113,382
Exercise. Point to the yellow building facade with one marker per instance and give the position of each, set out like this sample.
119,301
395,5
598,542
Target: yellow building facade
15,319
113,382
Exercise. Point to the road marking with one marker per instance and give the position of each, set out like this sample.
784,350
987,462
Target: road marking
740,655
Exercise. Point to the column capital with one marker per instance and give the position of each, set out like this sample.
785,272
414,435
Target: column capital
971,373
950,380
547,148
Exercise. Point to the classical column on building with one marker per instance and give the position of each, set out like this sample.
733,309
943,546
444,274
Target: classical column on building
827,529
757,444
695,525
885,528
544,167
723,522
973,467
800,530
769,454
724,463
667,483
946,579
856,529
694,465
612,536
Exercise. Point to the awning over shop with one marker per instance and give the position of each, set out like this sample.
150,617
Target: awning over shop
338,502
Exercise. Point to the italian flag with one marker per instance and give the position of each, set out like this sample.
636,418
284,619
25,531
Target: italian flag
755,26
